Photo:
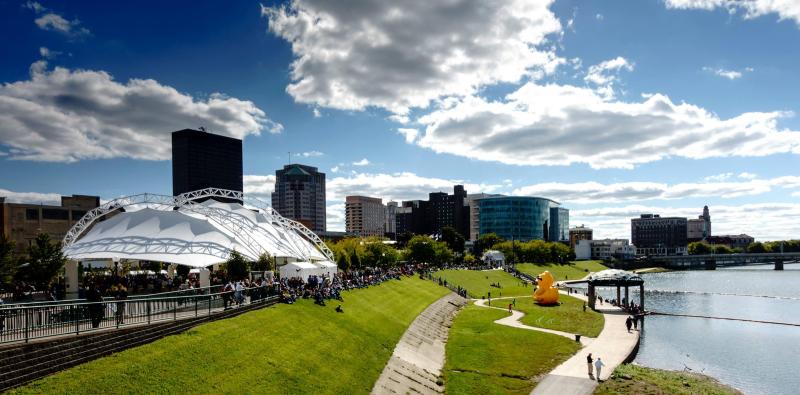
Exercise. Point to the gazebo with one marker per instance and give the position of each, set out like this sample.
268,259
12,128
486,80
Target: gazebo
615,278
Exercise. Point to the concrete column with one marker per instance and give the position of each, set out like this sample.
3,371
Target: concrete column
591,296
778,264
619,298
204,277
71,279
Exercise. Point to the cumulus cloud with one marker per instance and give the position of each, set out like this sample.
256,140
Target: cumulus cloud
67,115
783,219
53,21
47,53
362,162
594,192
729,74
361,53
30,197
562,125
409,134
259,186
784,9
311,154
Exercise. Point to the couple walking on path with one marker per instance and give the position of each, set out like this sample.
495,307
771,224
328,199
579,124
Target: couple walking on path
598,366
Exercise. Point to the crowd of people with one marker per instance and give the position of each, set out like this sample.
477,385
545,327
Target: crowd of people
322,288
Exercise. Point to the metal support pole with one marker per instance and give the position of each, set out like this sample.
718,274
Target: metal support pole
77,313
195,306
619,300
148,312
175,310
26,325
641,297
627,297
209,303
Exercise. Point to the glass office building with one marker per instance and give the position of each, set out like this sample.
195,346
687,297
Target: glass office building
516,217
559,224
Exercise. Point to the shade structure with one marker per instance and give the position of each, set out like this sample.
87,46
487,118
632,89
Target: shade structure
192,229
305,269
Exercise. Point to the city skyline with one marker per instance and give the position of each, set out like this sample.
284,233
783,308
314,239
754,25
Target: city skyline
583,110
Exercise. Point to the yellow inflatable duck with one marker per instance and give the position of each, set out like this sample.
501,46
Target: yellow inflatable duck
545,294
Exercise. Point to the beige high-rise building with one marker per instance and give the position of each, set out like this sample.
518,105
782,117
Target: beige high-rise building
364,216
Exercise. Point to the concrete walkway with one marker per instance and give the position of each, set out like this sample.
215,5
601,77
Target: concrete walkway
418,358
513,321
614,345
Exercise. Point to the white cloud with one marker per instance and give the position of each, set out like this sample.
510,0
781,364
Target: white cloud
311,154
594,192
47,53
362,162
260,187
747,176
563,125
53,21
362,53
599,17
783,219
719,177
317,114
335,169
67,115
729,74
409,134
30,197
335,221
605,75
785,9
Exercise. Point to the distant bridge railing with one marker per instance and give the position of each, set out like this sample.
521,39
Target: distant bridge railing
726,259
36,321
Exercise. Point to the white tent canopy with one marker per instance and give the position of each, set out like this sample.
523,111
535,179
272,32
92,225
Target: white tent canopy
305,269
182,231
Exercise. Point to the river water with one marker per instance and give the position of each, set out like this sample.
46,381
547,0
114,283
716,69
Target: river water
756,358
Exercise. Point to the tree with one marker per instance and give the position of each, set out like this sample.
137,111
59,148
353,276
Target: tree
264,263
355,261
485,242
45,261
722,249
404,238
441,253
421,250
756,248
377,253
455,241
8,261
699,248
342,262
237,266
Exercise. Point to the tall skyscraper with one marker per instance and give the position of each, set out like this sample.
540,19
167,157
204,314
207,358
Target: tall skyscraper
364,216
390,220
205,160
559,224
300,195
449,210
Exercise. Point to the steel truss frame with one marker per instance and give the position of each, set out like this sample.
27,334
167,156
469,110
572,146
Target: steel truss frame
235,223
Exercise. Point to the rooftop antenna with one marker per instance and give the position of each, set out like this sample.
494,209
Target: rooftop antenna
290,157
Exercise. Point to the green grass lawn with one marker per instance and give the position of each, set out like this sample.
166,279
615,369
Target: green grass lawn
566,317
281,349
633,379
477,282
487,358
575,270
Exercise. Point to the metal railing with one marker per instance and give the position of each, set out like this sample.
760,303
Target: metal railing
22,324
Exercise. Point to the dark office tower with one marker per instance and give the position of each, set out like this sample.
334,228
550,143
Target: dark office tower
449,210
655,235
205,160
300,195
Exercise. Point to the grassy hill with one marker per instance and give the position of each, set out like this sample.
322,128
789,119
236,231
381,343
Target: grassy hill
281,349
478,282
572,271
633,379
488,358
568,316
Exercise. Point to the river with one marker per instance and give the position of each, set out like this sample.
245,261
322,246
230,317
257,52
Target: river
756,358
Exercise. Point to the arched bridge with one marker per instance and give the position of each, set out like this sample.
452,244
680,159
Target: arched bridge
712,261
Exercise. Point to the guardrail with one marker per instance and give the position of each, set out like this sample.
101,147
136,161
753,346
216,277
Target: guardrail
22,324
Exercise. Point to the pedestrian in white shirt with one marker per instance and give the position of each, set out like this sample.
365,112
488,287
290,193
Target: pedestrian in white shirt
598,364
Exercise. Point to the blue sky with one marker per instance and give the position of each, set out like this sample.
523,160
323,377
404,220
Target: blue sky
611,107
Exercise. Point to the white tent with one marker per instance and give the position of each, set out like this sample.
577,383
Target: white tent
184,231
493,257
329,268
299,269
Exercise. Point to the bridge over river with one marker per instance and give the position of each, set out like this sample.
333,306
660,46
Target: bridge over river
712,261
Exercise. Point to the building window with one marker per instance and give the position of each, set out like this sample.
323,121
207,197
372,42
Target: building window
31,214
55,214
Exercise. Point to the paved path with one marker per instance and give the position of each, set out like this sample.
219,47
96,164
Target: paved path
614,345
513,321
418,358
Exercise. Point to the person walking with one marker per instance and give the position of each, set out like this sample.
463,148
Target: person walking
598,365
584,307
636,322
628,323
589,364
509,307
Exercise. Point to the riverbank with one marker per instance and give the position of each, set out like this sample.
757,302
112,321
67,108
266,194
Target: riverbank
635,379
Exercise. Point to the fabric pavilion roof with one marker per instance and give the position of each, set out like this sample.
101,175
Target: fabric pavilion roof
615,277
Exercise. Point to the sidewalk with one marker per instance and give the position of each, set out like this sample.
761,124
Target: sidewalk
614,345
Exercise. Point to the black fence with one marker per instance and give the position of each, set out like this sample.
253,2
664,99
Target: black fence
22,323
